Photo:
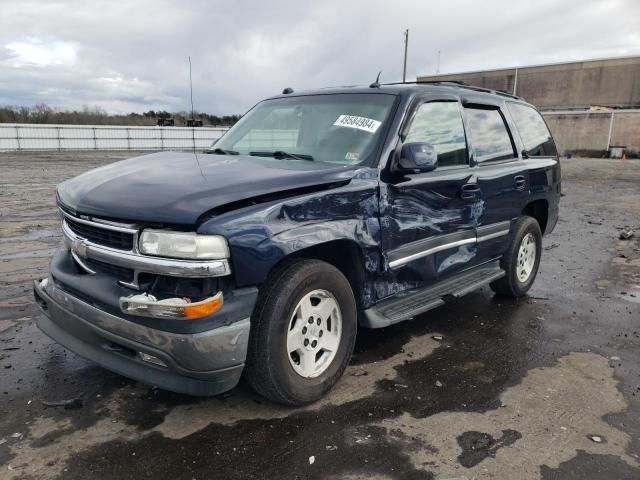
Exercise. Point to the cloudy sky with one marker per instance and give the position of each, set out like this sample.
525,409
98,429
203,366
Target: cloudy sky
132,55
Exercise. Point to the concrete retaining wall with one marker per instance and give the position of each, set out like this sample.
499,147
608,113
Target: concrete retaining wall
589,131
626,130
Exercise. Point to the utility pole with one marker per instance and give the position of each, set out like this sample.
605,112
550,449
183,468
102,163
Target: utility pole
515,81
193,120
406,44
191,88
438,66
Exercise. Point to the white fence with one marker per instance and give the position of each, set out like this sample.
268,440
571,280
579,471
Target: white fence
25,136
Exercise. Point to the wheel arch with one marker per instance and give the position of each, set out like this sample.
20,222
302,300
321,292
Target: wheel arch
344,254
539,210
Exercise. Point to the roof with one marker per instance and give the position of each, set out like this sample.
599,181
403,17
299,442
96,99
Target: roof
403,89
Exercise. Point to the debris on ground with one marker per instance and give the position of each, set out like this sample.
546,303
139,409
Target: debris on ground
11,439
596,438
438,383
626,234
71,404
312,460
359,373
552,246
331,447
437,338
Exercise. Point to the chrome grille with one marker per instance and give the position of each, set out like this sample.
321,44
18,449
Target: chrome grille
101,236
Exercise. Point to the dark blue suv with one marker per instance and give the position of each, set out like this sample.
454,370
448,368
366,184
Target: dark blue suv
317,213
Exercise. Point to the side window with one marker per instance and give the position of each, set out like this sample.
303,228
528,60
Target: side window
440,124
489,135
533,131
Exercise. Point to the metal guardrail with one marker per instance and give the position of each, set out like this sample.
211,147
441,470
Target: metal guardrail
25,136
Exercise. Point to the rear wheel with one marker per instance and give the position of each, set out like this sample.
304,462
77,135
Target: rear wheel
521,260
302,334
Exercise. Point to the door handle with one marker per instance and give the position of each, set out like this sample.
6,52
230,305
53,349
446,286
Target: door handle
520,182
469,191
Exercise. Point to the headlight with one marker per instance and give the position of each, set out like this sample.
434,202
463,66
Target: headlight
183,245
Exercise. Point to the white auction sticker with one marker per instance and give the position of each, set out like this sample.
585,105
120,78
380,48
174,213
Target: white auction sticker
361,123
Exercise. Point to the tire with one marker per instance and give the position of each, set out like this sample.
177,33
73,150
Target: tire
290,377
515,283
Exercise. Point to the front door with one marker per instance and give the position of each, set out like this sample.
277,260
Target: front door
429,219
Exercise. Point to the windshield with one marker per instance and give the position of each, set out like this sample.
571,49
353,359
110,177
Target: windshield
334,128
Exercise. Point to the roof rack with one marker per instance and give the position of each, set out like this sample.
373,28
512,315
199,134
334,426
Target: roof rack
457,83
489,90
444,82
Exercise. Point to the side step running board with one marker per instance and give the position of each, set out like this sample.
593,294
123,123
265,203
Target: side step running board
415,302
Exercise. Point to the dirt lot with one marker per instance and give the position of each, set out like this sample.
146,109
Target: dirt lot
513,389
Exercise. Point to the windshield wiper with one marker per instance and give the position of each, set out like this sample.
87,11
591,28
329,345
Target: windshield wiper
283,154
222,151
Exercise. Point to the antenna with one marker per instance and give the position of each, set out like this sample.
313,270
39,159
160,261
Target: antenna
406,45
376,84
193,124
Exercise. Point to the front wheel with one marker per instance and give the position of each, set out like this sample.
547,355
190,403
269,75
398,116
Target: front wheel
302,333
521,260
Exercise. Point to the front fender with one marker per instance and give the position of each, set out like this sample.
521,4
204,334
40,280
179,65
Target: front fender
262,235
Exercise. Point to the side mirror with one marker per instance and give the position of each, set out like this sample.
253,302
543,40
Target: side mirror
418,156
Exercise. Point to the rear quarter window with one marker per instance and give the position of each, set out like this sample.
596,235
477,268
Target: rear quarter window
533,131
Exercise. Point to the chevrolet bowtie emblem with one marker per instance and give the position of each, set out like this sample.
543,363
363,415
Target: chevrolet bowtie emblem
79,248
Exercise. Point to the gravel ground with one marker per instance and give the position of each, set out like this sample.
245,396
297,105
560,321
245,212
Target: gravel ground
543,387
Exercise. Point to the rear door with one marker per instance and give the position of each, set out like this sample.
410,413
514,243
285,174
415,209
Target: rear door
541,157
501,173
429,218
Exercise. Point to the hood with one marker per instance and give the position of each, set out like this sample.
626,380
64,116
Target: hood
177,188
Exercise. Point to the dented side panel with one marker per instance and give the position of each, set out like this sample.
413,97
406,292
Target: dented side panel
262,235
428,206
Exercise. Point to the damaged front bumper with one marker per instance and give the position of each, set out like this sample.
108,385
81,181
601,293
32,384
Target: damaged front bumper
203,363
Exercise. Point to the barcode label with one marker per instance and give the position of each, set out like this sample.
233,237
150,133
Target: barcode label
361,123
